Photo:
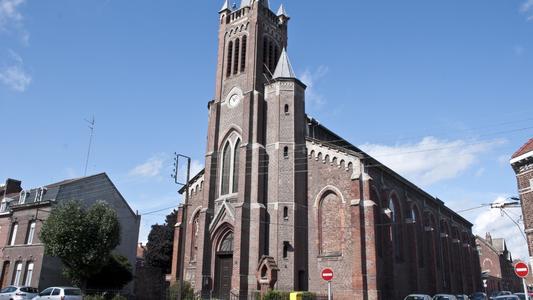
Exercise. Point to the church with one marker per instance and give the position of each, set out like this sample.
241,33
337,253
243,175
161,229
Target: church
282,197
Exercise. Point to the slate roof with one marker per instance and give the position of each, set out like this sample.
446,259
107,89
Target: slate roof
284,67
527,147
50,192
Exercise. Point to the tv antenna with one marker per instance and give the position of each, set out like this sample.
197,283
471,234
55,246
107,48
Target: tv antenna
91,127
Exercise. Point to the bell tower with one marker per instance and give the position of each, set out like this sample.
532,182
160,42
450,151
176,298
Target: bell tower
251,38
235,210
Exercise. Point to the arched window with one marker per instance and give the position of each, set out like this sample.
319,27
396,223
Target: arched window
395,234
272,63
286,109
286,152
236,166
226,245
230,56
285,249
226,169
243,53
194,236
236,56
265,52
276,56
330,229
285,213
419,235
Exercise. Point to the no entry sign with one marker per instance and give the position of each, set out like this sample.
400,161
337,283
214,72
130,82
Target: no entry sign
327,274
521,269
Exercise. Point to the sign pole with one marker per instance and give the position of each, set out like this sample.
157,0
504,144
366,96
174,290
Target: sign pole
329,290
525,288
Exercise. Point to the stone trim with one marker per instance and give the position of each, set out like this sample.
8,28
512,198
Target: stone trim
314,149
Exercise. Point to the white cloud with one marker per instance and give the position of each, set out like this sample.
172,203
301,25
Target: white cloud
527,8
12,19
151,168
501,226
15,77
310,78
431,160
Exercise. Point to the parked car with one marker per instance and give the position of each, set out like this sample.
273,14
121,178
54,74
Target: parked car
522,296
444,297
18,293
60,293
462,297
478,296
418,297
507,297
500,293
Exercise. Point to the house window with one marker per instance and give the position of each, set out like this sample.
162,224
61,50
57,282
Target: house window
286,152
286,109
18,273
285,213
31,233
29,273
14,230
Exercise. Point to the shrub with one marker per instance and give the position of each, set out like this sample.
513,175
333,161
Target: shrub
276,295
187,292
94,297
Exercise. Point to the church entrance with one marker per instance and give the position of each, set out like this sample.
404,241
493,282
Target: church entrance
224,267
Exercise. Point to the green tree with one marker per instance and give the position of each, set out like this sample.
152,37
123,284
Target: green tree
160,244
114,275
81,237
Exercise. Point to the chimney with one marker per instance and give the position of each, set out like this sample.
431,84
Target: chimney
488,238
12,186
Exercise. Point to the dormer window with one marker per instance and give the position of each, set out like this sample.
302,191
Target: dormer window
23,196
40,193
3,205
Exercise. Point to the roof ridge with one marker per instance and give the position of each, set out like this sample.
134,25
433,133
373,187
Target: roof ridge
521,151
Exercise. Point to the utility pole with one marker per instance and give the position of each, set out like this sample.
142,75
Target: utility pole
91,127
514,204
183,227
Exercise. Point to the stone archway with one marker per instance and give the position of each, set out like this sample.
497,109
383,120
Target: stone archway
223,265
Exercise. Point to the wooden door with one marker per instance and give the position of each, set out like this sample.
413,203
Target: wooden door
224,268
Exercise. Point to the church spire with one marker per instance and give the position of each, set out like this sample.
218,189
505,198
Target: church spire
284,67
281,11
225,6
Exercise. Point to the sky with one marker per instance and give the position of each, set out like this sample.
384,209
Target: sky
440,91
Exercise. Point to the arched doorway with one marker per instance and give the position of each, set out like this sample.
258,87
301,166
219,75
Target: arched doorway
224,266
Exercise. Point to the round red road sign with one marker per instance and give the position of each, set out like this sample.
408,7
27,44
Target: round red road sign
327,274
521,269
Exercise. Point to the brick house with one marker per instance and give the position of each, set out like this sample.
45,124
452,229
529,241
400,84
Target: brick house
497,265
522,164
23,212
282,197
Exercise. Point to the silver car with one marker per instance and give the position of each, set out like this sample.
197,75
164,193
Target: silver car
18,293
417,297
60,293
444,297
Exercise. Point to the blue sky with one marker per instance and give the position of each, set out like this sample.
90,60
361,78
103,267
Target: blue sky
440,91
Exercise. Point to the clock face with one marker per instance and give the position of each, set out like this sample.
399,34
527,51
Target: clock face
234,100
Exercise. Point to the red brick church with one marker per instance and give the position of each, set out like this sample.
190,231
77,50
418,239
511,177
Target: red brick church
282,197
